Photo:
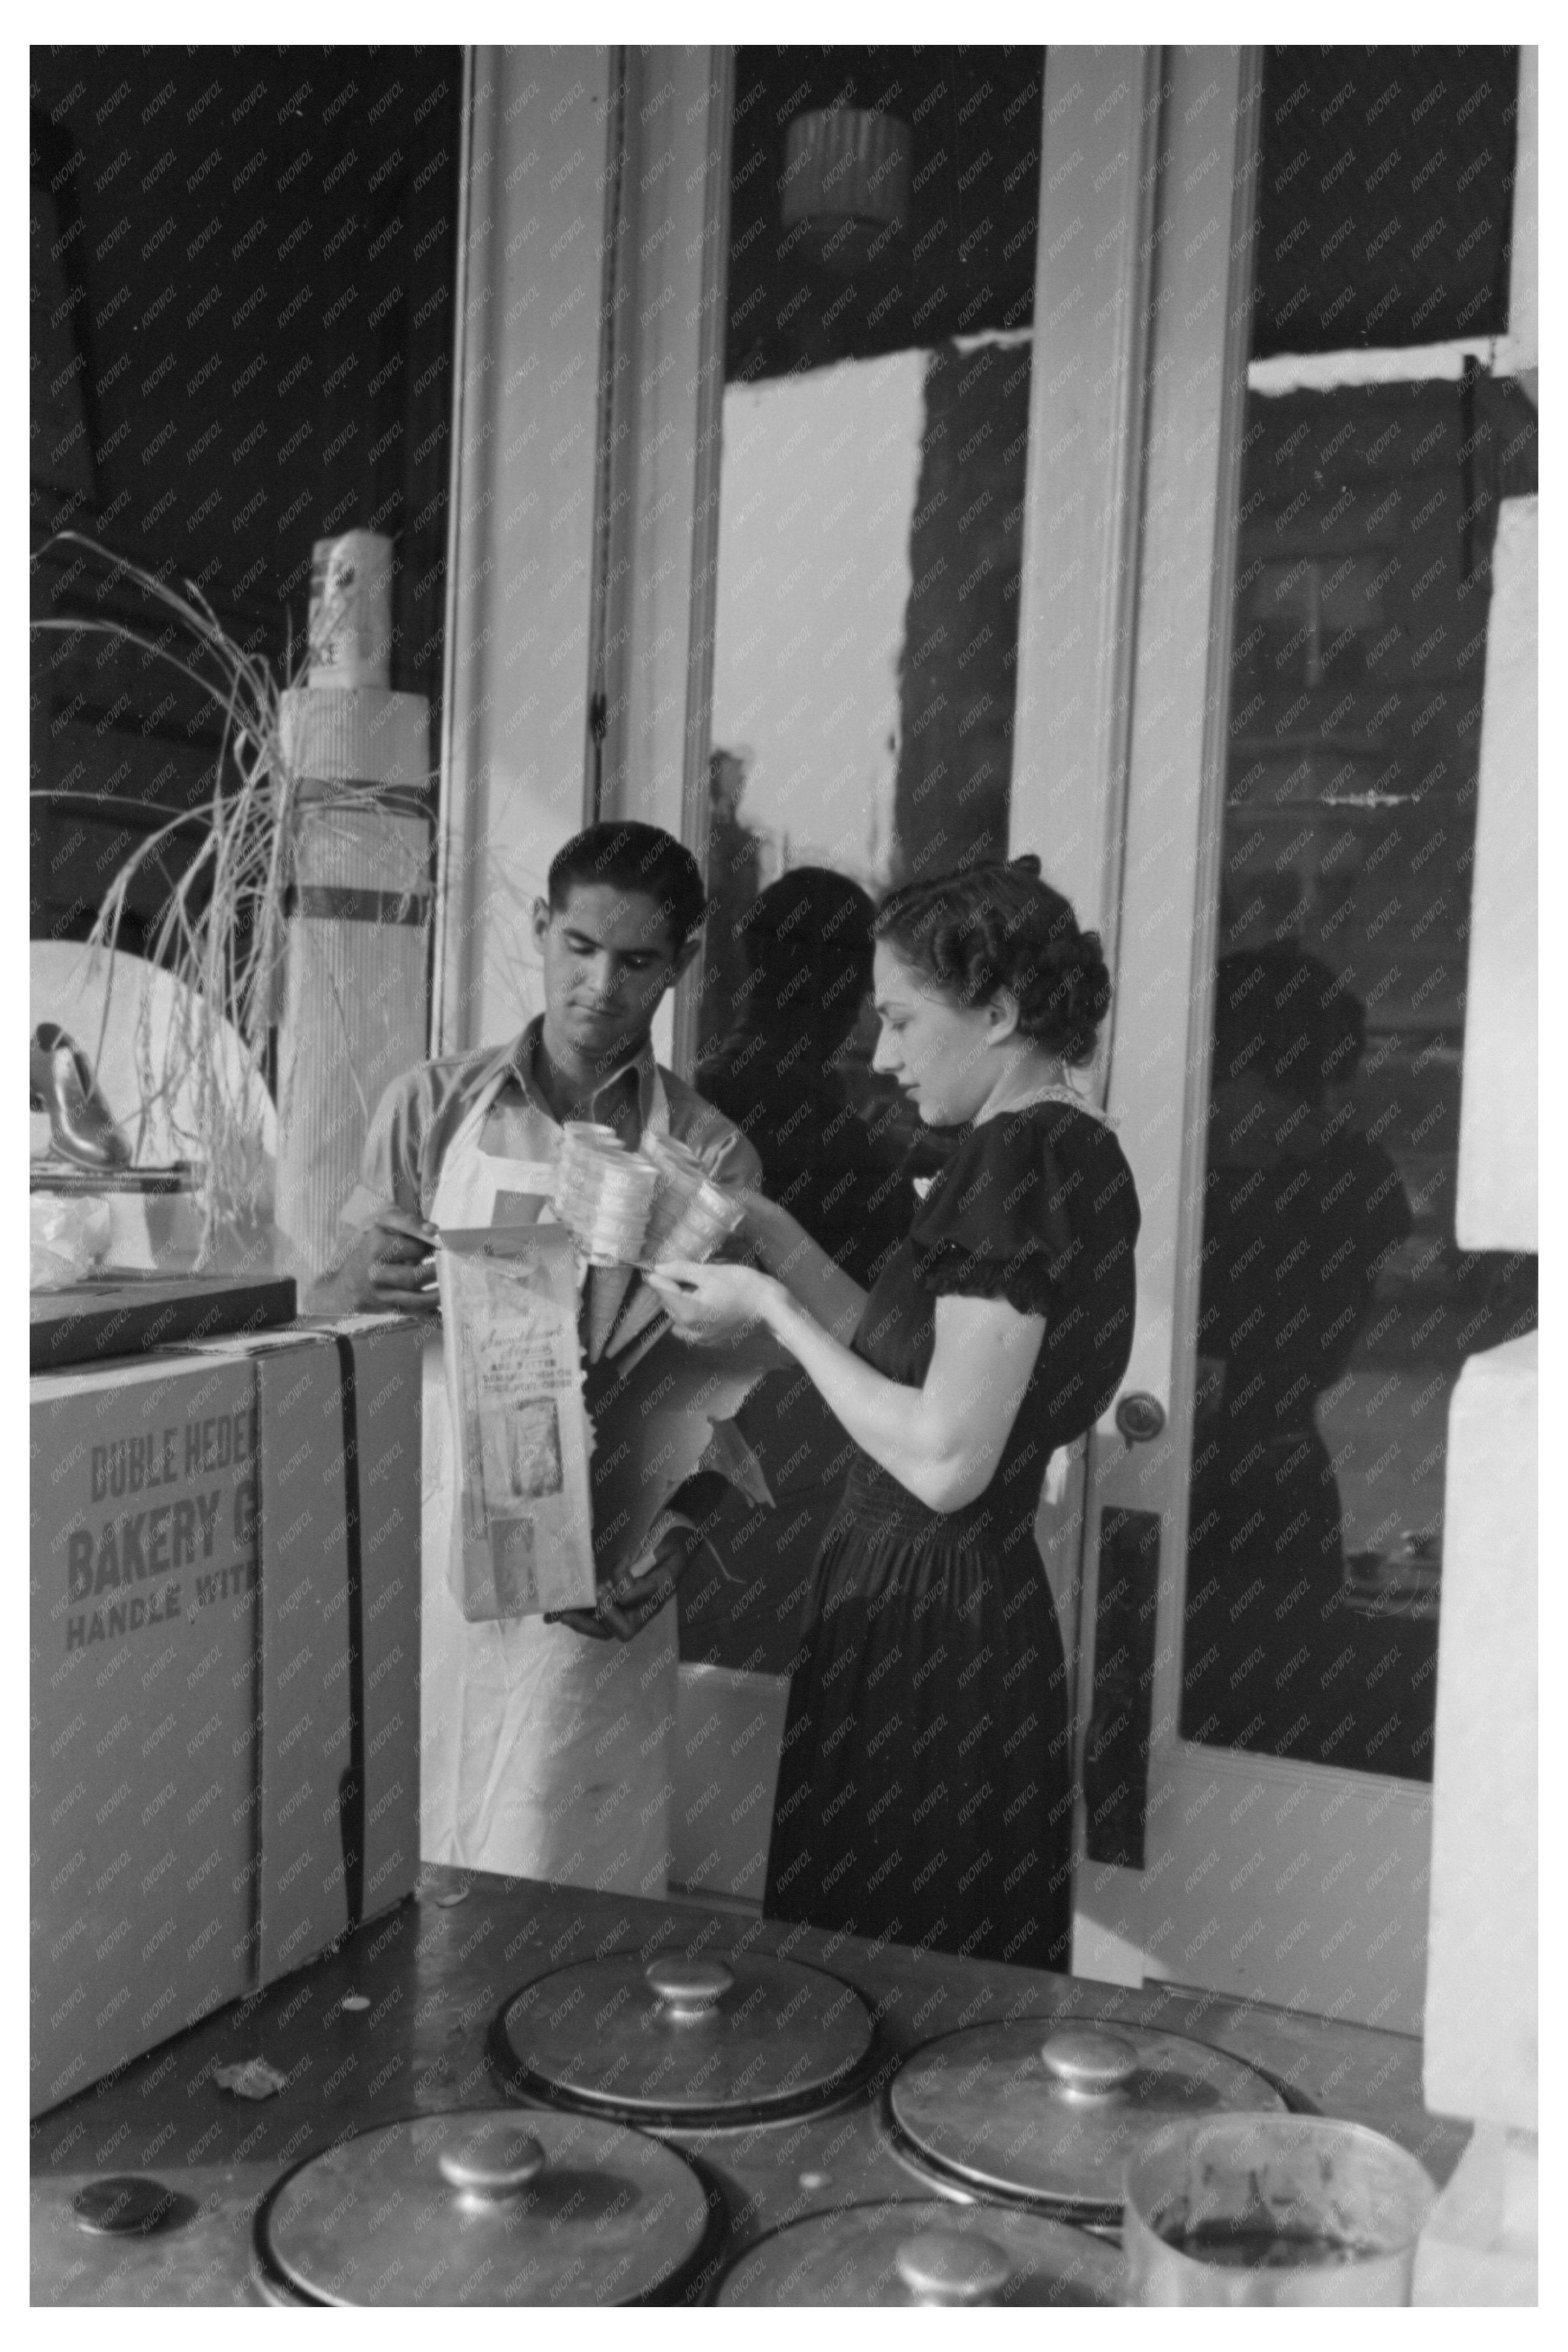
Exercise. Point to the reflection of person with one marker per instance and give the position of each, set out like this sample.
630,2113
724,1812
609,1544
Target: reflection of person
807,940
807,943
540,1752
1300,1212
925,1793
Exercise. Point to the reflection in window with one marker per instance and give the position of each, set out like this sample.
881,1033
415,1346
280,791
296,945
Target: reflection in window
880,295
242,334
870,505
1335,1308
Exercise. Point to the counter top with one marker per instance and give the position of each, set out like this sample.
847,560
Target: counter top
434,1973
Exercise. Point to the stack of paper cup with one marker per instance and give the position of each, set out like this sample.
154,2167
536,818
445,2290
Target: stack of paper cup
602,1192
690,1217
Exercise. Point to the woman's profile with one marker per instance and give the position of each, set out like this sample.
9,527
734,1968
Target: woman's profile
926,1787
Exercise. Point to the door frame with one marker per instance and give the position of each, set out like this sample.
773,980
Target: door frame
662,436
1101,128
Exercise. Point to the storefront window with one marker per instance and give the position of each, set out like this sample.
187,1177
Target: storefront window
880,299
242,264
1336,1308
875,428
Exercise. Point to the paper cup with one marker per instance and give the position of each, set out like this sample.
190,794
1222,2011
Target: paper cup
602,1192
690,1217
1251,2210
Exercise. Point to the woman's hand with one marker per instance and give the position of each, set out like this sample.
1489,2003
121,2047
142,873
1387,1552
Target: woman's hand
712,1302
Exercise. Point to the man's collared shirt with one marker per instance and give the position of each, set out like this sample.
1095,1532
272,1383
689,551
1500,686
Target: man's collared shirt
419,1115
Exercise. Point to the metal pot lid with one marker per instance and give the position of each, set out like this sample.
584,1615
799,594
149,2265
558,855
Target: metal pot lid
685,2040
1053,2112
486,2207
912,2254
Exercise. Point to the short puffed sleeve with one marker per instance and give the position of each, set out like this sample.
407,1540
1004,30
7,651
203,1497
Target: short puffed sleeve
1036,1208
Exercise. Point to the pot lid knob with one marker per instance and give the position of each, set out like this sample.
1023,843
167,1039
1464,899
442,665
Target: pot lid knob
689,1988
125,2204
947,2266
1088,2061
496,2159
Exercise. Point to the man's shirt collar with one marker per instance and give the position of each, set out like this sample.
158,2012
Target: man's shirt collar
634,1079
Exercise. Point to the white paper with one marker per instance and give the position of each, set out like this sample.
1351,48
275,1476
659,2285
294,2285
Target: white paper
521,1541
560,1475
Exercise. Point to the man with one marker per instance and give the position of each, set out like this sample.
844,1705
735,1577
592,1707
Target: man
544,1752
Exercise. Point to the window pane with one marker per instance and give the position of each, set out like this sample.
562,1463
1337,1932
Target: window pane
870,509
1336,1309
241,320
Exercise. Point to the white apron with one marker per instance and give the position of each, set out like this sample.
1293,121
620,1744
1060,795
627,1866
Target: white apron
543,1753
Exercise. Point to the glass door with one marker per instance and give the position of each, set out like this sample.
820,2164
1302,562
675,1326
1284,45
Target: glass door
1269,1577
1336,1308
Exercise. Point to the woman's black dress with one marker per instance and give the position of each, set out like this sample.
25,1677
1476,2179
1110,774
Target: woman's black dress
926,1787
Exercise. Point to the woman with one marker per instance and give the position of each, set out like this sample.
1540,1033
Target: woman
925,1788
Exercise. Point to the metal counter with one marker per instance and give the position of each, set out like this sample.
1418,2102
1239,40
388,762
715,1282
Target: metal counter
432,1976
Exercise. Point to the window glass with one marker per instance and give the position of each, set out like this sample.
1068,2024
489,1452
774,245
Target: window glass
880,292
241,328
1336,1308
880,299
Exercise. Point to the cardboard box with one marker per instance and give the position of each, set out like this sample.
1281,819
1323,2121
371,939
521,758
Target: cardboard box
224,1676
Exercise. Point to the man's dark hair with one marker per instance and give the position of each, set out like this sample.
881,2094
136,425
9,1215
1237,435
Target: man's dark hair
634,857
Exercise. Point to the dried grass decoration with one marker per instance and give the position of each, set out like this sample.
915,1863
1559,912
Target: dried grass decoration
222,930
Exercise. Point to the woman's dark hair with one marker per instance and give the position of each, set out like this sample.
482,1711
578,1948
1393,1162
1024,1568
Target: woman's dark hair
634,857
995,926
1281,1012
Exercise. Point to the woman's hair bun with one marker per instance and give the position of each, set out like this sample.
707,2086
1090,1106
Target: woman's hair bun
1071,1006
993,926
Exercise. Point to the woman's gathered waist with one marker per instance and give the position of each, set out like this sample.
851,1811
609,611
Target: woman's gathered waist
874,1503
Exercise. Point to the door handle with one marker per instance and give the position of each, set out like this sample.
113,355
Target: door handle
1140,1417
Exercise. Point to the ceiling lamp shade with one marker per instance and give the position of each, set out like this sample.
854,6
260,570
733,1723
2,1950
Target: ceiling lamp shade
846,181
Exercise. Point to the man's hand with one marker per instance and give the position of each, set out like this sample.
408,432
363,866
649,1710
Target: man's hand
624,1607
391,1267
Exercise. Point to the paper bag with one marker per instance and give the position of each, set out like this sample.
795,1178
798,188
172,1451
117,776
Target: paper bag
659,1414
521,1540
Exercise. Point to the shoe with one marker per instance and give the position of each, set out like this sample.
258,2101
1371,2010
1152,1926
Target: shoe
81,1127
